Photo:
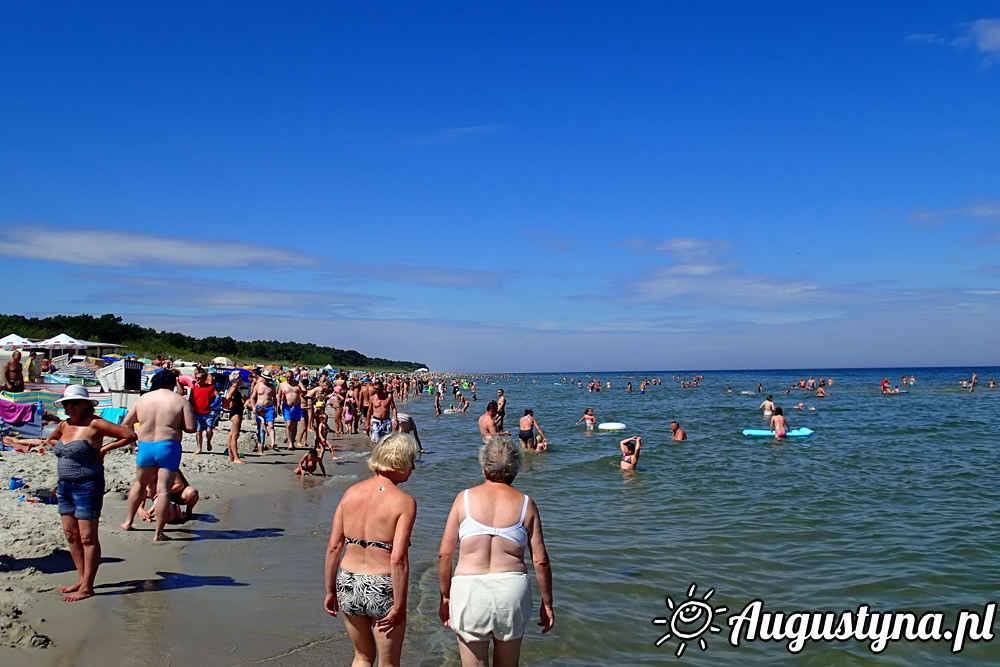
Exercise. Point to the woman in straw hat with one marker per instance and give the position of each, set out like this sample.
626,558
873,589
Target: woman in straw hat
79,447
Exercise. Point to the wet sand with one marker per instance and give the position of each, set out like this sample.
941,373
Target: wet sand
241,583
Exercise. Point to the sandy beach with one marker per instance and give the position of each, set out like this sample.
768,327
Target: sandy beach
38,628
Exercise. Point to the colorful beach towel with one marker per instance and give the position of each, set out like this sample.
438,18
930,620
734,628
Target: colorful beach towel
15,413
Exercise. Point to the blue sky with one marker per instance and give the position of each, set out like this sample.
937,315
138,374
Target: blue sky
514,186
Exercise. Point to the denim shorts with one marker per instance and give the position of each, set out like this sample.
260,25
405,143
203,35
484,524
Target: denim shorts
206,422
83,500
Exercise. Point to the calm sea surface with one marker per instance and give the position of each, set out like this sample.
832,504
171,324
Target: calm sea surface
893,503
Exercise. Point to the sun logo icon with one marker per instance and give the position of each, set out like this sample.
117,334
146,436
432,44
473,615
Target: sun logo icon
690,620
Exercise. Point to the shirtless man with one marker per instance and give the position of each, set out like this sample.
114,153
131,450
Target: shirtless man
488,422
291,401
678,432
364,400
501,409
13,374
261,401
162,416
381,405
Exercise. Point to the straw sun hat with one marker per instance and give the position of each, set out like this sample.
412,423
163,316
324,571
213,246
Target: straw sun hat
75,392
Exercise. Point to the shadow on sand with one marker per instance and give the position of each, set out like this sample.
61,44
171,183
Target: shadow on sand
55,563
170,581
203,534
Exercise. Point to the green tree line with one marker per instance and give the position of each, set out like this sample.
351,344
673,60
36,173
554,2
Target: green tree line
144,341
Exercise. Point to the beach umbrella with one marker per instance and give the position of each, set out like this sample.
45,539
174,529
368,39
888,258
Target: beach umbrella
61,342
79,370
222,361
13,340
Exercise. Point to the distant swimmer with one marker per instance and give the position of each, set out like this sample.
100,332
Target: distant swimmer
630,452
767,406
677,431
821,393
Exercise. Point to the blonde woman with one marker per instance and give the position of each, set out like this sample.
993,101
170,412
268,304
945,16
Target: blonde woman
233,404
371,531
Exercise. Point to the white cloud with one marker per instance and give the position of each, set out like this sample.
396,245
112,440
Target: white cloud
114,248
227,296
985,210
982,35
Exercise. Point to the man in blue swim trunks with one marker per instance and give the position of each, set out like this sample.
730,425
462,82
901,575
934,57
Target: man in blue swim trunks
290,398
163,418
262,401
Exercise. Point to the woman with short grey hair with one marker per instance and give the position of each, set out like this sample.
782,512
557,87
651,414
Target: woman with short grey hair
489,596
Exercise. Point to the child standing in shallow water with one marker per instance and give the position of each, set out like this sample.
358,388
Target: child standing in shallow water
588,417
778,424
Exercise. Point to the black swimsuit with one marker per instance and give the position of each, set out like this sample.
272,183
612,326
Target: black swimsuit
237,405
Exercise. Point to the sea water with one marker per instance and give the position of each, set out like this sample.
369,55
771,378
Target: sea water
893,503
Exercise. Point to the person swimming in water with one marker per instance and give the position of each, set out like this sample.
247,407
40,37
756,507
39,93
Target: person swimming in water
767,406
779,424
630,452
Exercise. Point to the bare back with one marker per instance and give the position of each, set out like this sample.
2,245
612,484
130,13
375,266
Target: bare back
373,510
161,415
499,506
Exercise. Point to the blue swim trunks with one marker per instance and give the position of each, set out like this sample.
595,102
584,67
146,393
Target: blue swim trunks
268,413
293,413
165,454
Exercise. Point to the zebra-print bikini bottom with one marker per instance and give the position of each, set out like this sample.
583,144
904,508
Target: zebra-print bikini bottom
364,594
